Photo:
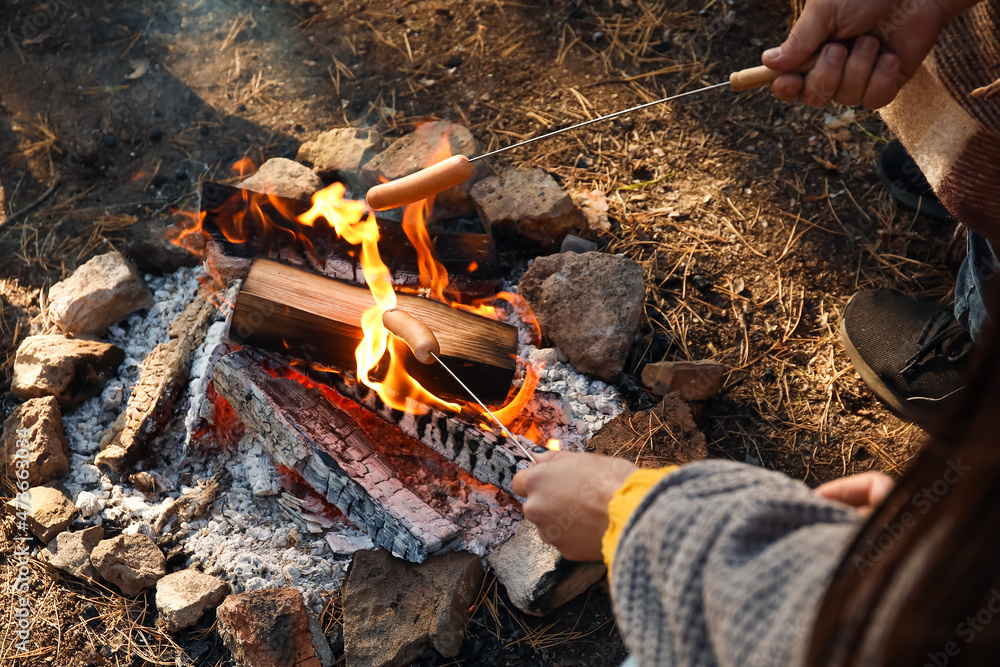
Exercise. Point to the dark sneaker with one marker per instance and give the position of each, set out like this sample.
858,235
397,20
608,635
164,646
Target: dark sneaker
910,353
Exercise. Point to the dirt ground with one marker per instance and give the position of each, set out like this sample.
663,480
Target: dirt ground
754,220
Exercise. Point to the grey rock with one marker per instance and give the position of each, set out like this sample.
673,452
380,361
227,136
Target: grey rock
573,243
693,380
589,305
132,562
285,178
394,610
420,149
105,290
70,552
528,204
339,154
34,433
183,597
70,369
49,511
148,247
537,578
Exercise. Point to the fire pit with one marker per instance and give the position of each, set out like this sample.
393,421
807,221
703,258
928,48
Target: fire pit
265,426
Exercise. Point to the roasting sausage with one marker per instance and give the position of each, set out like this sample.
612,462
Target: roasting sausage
420,185
414,333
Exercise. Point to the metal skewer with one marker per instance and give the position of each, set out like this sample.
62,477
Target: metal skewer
598,120
499,423
457,169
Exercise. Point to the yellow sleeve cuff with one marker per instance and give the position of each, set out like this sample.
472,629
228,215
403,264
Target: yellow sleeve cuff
624,502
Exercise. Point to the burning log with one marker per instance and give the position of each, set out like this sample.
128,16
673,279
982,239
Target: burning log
318,319
307,433
485,454
244,225
460,439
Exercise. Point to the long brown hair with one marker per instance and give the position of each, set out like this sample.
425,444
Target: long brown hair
920,584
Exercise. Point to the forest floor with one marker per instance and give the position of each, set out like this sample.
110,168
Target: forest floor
754,220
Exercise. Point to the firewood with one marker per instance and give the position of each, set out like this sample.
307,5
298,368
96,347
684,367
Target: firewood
485,454
309,434
466,255
318,319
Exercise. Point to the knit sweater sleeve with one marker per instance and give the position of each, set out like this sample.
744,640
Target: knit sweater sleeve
725,565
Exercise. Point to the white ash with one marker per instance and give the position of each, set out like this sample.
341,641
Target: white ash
256,542
263,479
591,403
88,505
137,336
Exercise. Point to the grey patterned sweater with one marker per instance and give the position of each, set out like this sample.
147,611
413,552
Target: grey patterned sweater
724,564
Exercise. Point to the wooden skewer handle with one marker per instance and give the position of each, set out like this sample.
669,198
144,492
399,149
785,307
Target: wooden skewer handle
417,335
755,77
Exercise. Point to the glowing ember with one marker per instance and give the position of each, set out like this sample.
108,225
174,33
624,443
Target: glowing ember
553,445
509,412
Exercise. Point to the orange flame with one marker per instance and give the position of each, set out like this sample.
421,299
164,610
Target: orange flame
244,167
508,413
433,275
399,390
355,224
533,433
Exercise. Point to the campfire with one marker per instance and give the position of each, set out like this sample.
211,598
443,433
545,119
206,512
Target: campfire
338,349
235,423
328,381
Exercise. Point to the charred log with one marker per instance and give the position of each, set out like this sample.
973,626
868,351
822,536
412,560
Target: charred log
307,433
165,373
243,227
487,455
459,438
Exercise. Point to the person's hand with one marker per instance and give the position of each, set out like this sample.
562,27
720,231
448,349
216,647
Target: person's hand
567,496
864,492
893,38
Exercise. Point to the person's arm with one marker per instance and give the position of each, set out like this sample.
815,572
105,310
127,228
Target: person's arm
712,562
892,39
726,564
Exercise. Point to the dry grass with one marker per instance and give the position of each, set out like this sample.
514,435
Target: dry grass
77,624
493,615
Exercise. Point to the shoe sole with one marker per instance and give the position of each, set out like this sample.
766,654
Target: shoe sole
916,410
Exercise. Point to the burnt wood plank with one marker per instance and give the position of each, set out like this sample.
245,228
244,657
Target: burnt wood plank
267,227
305,432
487,455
